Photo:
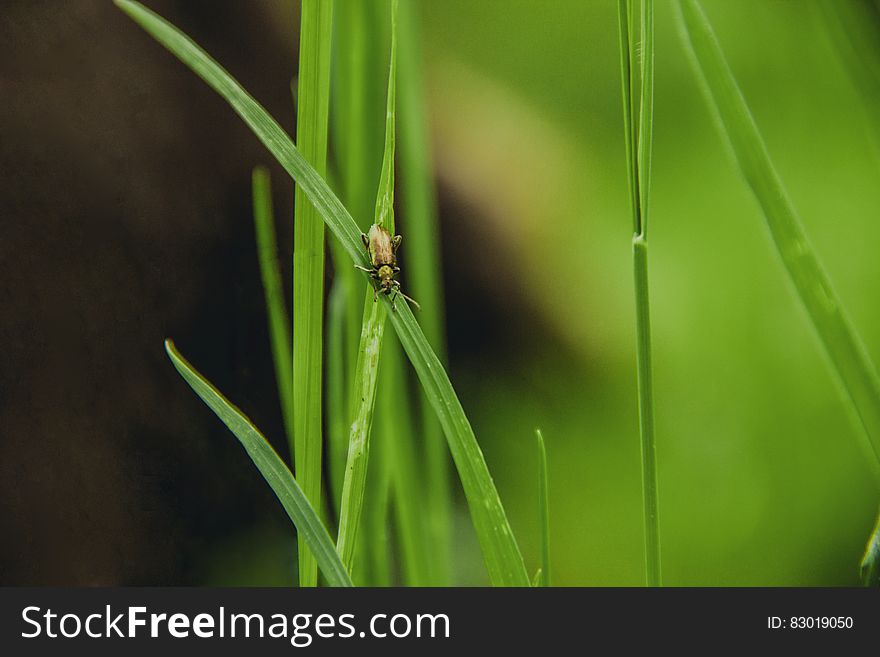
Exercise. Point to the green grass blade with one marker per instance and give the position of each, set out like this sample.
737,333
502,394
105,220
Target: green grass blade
270,270
646,412
423,276
646,115
500,551
357,105
630,140
359,101
273,469
366,378
335,401
639,82
384,215
313,101
360,98
845,349
258,120
366,375
357,111
543,578
870,568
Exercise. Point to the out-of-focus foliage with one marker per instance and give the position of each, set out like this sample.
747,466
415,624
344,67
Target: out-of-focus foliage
761,477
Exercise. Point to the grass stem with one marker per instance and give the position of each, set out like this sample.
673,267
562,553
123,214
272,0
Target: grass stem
270,270
638,89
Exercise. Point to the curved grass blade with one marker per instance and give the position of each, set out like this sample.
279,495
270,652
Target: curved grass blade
543,577
870,568
279,325
844,347
500,551
273,469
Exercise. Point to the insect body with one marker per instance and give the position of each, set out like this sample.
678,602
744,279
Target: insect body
382,249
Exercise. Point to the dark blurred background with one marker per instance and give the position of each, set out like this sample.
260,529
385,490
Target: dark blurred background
125,205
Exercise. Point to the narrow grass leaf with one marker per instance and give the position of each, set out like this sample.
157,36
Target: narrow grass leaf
366,375
845,349
638,82
335,400
313,101
357,110
359,81
366,379
500,550
646,115
623,12
273,469
276,309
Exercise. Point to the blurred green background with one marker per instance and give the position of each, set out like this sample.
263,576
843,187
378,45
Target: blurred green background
762,479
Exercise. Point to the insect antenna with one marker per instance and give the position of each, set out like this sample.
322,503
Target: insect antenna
410,299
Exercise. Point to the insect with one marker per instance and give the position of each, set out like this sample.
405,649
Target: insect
382,249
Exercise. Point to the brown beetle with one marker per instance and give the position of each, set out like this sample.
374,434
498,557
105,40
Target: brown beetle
382,249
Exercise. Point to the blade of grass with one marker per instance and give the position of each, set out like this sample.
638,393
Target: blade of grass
336,378
313,99
423,273
639,148
358,107
270,270
359,86
543,578
500,550
366,378
870,567
367,370
356,113
273,469
843,346
623,20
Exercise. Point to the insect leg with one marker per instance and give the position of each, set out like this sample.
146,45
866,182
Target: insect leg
366,269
